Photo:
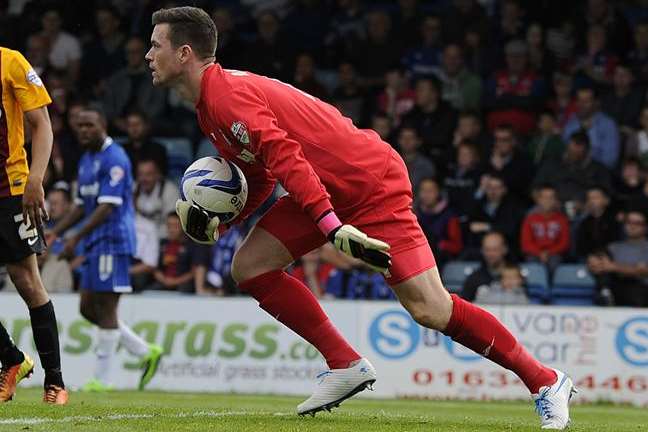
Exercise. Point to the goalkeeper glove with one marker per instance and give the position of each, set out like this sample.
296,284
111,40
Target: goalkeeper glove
356,244
198,225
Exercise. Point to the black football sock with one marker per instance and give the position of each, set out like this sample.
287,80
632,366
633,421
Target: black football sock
43,321
10,355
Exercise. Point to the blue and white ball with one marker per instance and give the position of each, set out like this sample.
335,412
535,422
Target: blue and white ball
215,185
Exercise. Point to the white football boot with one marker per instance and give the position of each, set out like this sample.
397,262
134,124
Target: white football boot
337,385
552,402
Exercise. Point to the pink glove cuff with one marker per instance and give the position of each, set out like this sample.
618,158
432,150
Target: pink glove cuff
328,223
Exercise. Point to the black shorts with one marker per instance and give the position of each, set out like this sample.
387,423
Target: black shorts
17,241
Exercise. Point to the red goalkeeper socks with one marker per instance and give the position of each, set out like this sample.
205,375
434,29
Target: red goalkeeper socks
480,331
292,303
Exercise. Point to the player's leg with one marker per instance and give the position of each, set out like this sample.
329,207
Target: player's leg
15,365
283,234
105,305
415,280
21,245
426,299
430,304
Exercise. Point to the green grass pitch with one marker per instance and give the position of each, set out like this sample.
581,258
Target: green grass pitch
170,412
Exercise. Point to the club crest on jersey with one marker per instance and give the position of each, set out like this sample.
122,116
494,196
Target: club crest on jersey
240,132
33,78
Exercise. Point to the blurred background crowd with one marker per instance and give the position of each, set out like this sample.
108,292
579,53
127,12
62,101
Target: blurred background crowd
524,126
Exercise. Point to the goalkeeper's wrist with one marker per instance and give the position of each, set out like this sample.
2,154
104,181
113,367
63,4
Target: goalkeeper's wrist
329,223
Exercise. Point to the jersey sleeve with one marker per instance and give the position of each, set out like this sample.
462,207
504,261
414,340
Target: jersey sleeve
280,154
28,89
113,183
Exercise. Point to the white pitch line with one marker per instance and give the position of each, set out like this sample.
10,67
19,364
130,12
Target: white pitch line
69,419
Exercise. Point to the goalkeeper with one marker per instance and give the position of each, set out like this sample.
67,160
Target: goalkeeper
346,186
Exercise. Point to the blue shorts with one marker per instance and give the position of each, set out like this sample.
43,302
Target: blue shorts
106,273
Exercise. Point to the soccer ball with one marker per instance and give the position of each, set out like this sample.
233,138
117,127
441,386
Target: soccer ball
215,185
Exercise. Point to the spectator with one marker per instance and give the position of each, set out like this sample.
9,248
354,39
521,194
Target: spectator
597,63
139,145
495,211
147,253
575,173
68,143
516,92
231,48
547,144
626,263
637,144
561,41
629,184
462,15
563,104
305,78
623,103
131,88
214,275
545,230
638,57
470,128
438,221
434,119
539,59
37,55
599,227
407,22
64,48
104,54
601,129
56,273
346,30
423,60
381,124
155,196
459,87
379,51
178,259
509,290
494,250
270,53
418,165
348,96
511,24
462,180
610,17
479,57
397,97
310,20
511,162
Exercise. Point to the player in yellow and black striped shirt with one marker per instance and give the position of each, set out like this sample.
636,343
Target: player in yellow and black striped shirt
22,210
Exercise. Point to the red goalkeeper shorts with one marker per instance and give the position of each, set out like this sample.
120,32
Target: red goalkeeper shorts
387,216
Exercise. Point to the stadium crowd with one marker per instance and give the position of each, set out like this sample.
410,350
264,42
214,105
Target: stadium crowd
524,126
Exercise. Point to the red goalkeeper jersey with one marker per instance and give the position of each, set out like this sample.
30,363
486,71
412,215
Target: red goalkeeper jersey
274,131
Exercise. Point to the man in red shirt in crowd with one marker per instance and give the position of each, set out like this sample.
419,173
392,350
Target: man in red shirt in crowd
545,230
345,185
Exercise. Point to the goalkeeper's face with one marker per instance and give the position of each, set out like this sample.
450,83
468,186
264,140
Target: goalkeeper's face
163,58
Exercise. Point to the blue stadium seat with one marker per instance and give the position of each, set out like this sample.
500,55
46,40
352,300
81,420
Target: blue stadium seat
456,272
573,285
537,279
179,155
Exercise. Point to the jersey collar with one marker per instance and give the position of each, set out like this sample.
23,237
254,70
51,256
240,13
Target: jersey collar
107,142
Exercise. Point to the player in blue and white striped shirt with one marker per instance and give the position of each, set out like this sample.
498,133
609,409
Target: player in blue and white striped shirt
107,233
